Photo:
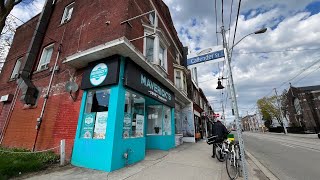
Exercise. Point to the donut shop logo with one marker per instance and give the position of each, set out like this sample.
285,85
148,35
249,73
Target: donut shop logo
98,74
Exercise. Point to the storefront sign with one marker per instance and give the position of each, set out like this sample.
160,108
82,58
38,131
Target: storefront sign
101,125
98,74
87,125
101,73
139,80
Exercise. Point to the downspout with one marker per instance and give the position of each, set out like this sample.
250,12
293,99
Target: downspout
29,90
46,97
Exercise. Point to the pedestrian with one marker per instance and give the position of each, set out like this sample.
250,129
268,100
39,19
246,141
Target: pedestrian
219,130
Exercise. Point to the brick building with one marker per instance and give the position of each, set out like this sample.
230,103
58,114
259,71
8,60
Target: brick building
107,76
303,107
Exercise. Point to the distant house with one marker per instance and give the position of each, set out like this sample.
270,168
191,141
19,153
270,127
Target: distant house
303,107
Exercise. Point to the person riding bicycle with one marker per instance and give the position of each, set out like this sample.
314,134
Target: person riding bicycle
219,130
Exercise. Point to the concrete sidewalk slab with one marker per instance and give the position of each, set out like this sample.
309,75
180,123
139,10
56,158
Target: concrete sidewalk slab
189,161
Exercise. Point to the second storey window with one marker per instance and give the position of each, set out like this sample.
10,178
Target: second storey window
16,69
45,57
67,13
178,79
149,48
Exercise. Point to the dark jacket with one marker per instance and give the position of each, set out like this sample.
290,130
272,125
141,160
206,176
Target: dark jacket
218,129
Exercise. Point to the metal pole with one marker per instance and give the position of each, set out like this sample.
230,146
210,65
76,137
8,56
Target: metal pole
234,100
281,115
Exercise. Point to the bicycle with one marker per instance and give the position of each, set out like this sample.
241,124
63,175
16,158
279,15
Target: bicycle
221,148
233,159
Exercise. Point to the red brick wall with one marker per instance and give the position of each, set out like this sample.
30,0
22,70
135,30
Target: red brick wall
86,29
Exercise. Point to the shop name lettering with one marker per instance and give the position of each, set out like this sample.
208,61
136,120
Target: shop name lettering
156,90
98,73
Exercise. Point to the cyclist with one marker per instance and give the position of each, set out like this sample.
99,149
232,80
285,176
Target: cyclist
219,130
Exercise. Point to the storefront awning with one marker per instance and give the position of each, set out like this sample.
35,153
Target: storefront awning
124,47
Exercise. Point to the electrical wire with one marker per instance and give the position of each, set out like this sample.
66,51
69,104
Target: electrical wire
215,7
222,13
235,28
230,22
24,23
306,75
277,51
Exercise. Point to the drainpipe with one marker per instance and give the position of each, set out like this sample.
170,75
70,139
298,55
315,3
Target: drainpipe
29,90
46,97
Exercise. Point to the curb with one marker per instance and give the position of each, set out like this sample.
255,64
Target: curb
262,168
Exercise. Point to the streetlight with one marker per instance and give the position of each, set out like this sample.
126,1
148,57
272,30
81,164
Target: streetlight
261,31
233,93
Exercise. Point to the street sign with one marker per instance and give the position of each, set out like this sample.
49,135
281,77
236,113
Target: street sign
206,57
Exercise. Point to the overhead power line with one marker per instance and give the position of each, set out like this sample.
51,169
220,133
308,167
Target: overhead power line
277,51
222,13
235,28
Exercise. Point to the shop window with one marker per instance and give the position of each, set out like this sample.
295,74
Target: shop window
159,120
94,124
45,57
67,13
133,123
15,72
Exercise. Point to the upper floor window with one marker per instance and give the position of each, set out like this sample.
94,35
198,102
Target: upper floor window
15,72
67,13
149,48
178,79
155,51
45,57
152,18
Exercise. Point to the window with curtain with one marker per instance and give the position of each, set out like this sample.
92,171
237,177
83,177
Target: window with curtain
149,48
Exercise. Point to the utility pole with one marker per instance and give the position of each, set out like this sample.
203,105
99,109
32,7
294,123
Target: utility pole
281,115
222,117
234,100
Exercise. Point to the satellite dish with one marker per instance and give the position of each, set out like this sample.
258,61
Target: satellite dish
71,87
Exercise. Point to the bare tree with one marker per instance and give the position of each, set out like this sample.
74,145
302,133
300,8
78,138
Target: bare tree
6,38
6,7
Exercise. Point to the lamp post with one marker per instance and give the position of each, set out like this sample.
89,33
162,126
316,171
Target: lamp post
233,94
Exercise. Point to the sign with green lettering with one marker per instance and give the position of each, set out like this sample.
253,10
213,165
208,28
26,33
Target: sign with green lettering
88,125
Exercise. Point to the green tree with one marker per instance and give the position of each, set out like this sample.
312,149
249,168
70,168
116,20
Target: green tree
269,109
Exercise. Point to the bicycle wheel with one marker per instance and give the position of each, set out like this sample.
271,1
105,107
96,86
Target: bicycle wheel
232,165
219,154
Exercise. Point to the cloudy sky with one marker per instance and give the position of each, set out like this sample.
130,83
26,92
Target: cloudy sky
293,31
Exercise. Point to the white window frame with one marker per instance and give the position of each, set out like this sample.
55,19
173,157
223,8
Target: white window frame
158,41
179,86
16,69
66,13
44,64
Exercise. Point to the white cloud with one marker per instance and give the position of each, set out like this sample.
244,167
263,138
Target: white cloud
290,26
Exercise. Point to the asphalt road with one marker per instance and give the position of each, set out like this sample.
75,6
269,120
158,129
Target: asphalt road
287,157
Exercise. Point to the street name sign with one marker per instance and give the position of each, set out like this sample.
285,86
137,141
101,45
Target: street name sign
216,55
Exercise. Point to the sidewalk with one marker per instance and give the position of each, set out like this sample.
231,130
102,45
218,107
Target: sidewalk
189,161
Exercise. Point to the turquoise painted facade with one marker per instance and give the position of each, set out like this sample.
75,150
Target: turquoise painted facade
108,154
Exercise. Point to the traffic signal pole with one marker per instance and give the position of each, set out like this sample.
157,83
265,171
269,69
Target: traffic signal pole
235,104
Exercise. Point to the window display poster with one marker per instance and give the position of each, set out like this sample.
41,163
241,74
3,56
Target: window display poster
100,125
87,125
126,125
167,126
140,124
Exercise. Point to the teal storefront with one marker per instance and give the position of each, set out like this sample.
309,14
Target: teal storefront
124,112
